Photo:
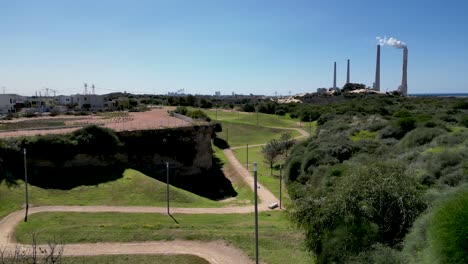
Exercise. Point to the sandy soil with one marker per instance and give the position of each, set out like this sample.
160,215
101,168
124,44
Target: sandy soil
153,119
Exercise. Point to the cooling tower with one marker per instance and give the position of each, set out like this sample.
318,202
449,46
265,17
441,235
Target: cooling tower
377,71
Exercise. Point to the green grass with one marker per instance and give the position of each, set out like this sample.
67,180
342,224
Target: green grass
33,123
279,241
265,120
270,181
133,189
241,134
245,194
141,259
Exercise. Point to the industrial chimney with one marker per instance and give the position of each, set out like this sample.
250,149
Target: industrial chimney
334,77
347,74
377,71
404,77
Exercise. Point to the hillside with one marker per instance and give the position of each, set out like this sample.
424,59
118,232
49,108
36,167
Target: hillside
376,165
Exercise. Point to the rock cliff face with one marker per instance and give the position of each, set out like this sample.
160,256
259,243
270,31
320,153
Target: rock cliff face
186,148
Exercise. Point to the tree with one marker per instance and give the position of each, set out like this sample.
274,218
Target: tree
353,86
286,143
271,151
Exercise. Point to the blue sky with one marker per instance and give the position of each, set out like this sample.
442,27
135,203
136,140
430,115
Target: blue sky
241,46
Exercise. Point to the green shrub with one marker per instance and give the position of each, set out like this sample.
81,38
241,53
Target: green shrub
407,123
364,135
420,136
374,203
441,235
181,110
464,120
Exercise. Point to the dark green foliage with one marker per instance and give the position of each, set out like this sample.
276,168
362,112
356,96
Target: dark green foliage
198,114
94,139
464,120
441,235
461,105
353,86
420,152
248,107
375,203
407,123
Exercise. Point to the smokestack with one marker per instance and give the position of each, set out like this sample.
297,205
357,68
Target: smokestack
334,76
347,74
377,71
404,77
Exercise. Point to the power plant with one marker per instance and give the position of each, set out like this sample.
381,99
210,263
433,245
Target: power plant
403,87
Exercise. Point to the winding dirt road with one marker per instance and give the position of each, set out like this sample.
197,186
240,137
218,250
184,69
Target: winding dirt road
214,252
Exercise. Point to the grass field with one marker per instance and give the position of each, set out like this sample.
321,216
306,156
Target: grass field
241,134
259,119
279,241
270,181
134,188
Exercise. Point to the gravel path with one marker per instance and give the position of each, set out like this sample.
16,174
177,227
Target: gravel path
214,252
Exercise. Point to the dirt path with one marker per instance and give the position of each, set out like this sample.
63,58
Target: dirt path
214,252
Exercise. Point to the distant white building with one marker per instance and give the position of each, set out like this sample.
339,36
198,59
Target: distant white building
9,102
64,100
93,101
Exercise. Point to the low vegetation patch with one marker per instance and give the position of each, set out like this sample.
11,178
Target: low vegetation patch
279,242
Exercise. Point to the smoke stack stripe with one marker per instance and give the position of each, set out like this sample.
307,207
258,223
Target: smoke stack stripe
377,71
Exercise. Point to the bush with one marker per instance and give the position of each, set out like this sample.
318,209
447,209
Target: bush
198,114
464,120
376,203
248,108
181,110
407,124
440,235
448,229
420,136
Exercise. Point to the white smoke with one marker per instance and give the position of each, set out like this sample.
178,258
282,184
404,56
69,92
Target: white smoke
392,42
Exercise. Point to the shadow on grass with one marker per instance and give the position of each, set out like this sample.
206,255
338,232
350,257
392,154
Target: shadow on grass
211,184
71,177
220,143
173,218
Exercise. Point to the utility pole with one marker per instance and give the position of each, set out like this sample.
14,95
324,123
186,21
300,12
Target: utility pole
216,113
227,135
26,185
247,156
256,212
281,184
167,187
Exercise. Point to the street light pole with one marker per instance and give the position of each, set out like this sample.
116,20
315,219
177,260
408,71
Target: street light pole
281,184
256,212
247,156
26,186
167,187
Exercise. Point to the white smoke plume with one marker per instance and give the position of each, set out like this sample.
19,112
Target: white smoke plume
392,42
